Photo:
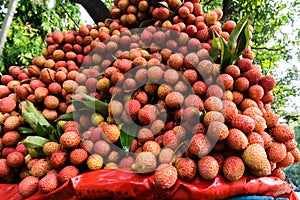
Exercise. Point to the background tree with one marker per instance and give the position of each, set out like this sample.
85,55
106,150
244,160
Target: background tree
33,20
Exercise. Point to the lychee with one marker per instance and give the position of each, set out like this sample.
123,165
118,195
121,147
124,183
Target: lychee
70,139
186,168
199,145
48,183
283,133
233,168
28,186
78,156
276,152
145,162
243,123
95,162
165,176
67,173
208,167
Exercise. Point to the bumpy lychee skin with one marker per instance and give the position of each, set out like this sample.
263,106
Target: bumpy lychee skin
186,168
213,116
50,147
174,100
283,133
276,152
291,144
111,133
151,146
15,159
67,173
166,156
217,130
78,156
95,162
28,186
5,170
296,153
146,115
287,161
252,111
126,162
236,140
58,159
233,168
244,64
255,138
11,138
170,139
271,118
48,183
145,162
40,168
243,123
260,123
208,167
165,176
200,145
241,84
253,75
7,104
70,139
255,158
267,139
278,173
267,83
256,92
213,104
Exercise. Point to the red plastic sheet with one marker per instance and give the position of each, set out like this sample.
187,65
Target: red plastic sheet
117,184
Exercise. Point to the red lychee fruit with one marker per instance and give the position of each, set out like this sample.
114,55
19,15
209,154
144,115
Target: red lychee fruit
28,186
58,159
12,123
243,123
244,64
11,138
283,133
267,83
78,156
40,168
255,138
48,183
186,168
200,145
233,168
70,139
276,152
102,148
212,116
151,146
57,36
217,130
208,167
255,92
165,176
236,140
7,104
170,139
67,173
15,159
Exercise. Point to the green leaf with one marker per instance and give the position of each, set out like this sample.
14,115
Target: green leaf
66,117
33,142
214,50
226,55
100,106
165,4
236,32
25,130
146,23
242,42
127,135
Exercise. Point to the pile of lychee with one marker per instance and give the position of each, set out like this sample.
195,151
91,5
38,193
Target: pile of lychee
187,116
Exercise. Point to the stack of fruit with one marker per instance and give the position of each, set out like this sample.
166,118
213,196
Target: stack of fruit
179,98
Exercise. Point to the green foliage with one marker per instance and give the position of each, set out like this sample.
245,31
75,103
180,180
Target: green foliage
32,22
109,3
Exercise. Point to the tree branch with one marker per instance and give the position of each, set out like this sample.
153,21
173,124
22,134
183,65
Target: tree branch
96,9
266,48
226,9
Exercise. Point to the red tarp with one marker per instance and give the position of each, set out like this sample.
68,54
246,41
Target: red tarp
117,184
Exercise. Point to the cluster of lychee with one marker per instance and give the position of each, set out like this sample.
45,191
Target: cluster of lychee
192,118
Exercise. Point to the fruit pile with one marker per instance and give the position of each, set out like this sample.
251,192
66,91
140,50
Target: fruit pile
179,98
